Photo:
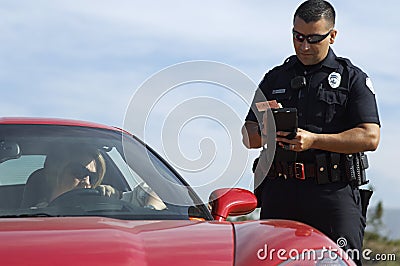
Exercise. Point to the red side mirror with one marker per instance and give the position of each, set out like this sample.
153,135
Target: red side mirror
231,202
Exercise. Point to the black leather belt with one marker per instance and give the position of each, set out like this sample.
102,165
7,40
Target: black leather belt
305,171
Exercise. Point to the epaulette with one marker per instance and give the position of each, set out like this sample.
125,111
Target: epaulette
345,60
290,60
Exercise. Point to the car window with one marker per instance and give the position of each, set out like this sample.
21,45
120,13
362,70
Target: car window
17,171
131,177
77,171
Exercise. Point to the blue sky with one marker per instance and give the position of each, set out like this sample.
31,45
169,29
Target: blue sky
85,59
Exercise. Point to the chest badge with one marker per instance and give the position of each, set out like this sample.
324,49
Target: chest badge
334,80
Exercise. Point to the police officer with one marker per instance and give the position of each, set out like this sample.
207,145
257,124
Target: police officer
337,118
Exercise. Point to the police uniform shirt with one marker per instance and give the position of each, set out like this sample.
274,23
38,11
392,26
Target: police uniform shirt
337,95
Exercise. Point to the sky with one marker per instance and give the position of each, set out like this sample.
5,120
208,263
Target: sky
89,60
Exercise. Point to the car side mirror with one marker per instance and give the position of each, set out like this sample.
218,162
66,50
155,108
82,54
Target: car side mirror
231,202
9,150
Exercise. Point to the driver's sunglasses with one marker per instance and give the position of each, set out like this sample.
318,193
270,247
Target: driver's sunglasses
80,172
311,39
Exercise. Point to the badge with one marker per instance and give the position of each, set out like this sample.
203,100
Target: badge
368,82
334,80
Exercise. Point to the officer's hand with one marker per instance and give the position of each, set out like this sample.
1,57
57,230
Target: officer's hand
301,142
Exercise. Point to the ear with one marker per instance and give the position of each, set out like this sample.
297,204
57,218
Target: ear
332,36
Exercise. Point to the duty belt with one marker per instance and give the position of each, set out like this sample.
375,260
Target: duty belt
328,168
305,171
292,170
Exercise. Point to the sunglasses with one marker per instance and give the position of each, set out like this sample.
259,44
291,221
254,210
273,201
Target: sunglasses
311,39
79,171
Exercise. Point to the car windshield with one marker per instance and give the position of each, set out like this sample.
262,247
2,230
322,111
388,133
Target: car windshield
54,170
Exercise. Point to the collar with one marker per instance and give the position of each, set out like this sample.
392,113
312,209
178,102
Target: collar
330,60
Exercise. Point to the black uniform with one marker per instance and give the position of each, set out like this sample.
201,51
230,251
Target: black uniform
337,96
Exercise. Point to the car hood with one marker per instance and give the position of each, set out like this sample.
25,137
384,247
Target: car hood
271,242
103,241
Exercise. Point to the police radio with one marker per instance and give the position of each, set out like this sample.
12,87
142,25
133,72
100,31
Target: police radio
298,82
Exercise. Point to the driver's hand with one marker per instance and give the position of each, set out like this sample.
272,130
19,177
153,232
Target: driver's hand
107,190
143,196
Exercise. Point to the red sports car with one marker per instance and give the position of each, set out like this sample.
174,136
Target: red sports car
79,193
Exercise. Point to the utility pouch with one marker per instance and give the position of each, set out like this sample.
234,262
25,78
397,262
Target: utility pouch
364,160
355,165
349,167
363,164
322,169
335,171
357,168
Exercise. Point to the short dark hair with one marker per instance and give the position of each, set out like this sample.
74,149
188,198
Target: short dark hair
314,10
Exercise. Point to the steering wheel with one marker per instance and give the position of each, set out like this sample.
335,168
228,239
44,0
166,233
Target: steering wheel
75,195
89,199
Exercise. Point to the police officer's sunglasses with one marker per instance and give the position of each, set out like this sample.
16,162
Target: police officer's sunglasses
311,39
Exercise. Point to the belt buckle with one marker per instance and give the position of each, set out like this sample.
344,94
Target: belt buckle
299,171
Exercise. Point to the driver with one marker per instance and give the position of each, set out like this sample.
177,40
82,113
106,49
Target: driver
81,166
77,167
